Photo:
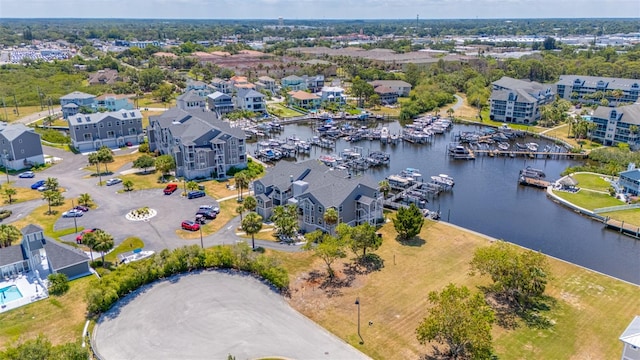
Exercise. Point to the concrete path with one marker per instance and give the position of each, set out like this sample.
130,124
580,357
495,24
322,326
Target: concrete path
211,315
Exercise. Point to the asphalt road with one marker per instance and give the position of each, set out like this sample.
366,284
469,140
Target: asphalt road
209,316
158,233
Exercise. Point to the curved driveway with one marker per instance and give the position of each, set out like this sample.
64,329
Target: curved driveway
209,316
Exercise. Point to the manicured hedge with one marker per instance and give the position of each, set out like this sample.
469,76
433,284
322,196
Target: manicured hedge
105,292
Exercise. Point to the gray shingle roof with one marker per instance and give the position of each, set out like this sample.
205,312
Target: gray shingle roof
77,95
95,118
195,125
630,113
390,83
522,95
243,93
61,256
218,94
11,255
30,229
592,81
190,96
12,131
513,84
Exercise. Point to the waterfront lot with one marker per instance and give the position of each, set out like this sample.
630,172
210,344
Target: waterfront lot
583,328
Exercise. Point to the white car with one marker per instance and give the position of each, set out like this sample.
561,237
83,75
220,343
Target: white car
72,213
113,181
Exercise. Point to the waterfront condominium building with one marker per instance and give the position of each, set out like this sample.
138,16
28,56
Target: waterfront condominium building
201,145
594,89
616,125
518,101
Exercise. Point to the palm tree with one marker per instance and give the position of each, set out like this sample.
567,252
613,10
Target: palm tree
617,94
8,234
50,196
633,130
242,181
9,192
192,185
89,239
94,159
51,184
104,243
239,210
450,112
250,203
384,187
84,199
252,224
331,217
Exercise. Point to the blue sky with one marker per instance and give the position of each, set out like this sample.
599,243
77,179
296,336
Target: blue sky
318,9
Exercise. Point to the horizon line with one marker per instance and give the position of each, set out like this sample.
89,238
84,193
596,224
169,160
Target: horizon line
310,19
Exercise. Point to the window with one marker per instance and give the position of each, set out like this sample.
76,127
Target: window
19,141
87,137
111,134
132,131
109,124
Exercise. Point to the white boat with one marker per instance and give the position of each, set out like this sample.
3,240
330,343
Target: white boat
443,179
411,173
136,256
532,146
384,135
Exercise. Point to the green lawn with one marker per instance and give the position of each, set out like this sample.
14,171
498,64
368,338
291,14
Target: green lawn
282,111
128,245
592,182
589,200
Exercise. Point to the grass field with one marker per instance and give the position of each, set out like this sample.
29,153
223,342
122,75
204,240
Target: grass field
145,117
282,111
149,102
589,199
60,318
592,182
395,300
22,195
22,111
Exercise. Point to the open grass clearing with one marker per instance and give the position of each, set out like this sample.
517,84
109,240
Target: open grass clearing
589,200
128,245
592,182
283,111
22,195
56,122
219,189
46,221
227,212
394,299
146,115
149,102
12,115
60,318
267,234
142,180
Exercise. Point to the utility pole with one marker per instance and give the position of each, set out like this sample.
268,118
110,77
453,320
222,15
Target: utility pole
6,116
15,101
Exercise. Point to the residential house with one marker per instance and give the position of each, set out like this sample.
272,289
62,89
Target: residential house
113,129
221,85
72,102
251,100
191,99
388,96
314,188
629,181
201,88
37,253
615,125
402,88
593,89
220,103
202,145
314,83
293,83
305,100
518,101
144,44
266,83
113,102
631,340
20,146
333,94
105,76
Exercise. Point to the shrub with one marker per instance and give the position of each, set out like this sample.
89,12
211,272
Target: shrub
5,214
58,284
144,147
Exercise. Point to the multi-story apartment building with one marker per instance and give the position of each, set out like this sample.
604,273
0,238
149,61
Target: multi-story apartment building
401,88
220,103
221,85
593,89
20,146
250,100
191,99
616,125
202,145
314,188
72,102
113,129
518,101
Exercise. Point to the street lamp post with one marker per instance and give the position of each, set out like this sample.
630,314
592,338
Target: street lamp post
201,243
75,222
358,303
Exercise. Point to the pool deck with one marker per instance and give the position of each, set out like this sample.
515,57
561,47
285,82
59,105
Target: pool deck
31,292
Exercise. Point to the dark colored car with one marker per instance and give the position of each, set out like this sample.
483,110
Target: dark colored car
190,225
81,208
37,184
195,194
200,219
207,214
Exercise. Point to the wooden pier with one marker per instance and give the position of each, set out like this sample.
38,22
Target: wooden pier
535,154
539,183
620,226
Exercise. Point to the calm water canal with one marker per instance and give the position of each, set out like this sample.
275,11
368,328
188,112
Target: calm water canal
488,199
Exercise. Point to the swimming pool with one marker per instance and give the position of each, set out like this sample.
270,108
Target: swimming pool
9,293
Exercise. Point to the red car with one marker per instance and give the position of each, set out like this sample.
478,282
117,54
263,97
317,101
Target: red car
85,231
190,225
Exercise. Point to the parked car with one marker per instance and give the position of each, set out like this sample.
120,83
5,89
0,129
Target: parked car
114,181
200,219
81,208
85,231
37,184
170,189
190,225
207,213
213,208
72,213
27,174
195,194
